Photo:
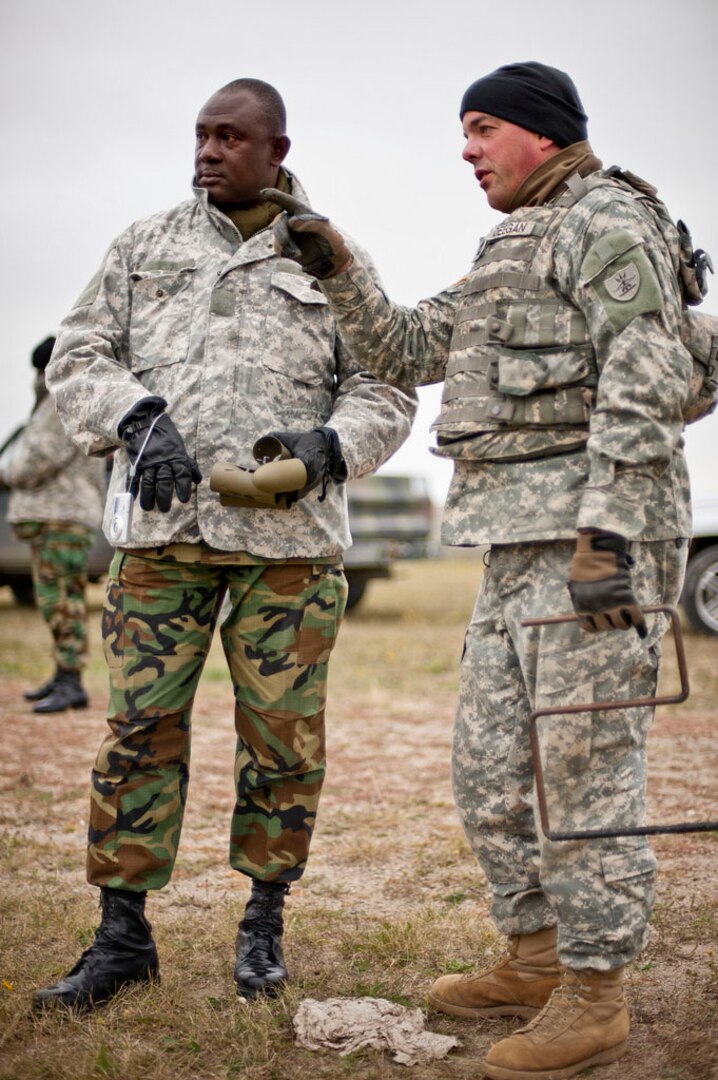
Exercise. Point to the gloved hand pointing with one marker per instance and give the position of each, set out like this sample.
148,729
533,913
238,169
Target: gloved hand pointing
600,584
307,237
159,455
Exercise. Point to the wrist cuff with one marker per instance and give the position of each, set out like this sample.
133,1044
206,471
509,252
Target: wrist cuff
144,409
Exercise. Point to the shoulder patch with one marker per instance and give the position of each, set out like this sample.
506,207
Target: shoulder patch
618,271
624,284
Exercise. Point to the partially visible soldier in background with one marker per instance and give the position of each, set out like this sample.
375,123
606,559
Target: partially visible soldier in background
56,503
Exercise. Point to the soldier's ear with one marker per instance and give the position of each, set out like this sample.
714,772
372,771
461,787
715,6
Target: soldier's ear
280,148
545,143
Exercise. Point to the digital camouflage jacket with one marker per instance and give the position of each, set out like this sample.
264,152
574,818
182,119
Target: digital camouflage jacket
51,479
565,374
239,343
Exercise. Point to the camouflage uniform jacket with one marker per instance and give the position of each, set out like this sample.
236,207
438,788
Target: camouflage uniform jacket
239,343
51,479
564,366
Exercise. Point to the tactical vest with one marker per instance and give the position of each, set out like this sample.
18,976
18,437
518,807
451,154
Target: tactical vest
521,375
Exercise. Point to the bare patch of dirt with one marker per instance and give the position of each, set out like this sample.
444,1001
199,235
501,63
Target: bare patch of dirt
388,847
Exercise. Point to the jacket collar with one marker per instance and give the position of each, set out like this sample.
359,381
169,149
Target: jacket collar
226,226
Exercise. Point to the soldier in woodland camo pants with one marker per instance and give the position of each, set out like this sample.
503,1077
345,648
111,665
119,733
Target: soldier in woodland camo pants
192,342
55,505
59,575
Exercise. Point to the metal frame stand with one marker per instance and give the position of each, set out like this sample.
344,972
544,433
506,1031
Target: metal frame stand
627,703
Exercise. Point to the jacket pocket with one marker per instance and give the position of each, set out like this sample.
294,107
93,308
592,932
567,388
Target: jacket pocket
298,359
521,372
161,316
301,346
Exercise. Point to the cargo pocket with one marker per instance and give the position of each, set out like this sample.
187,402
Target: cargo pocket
322,615
113,630
565,741
630,873
161,316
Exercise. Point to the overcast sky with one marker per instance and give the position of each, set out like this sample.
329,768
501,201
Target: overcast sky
100,98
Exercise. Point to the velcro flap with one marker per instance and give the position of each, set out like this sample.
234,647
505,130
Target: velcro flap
605,251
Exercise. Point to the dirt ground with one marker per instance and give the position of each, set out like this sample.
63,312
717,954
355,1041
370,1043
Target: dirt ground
388,847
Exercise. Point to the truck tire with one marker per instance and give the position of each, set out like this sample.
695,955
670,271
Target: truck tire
700,591
23,591
357,587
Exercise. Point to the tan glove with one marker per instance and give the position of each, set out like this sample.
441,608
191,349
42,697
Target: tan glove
600,584
307,237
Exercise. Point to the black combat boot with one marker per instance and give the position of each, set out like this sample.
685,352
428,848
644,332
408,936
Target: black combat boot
260,960
123,952
67,693
42,691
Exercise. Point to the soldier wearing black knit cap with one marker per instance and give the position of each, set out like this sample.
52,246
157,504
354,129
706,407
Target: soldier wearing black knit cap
565,379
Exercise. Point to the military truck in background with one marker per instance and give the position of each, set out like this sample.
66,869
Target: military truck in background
700,588
391,517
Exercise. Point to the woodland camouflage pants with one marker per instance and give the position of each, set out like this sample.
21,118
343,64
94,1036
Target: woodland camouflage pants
59,577
158,623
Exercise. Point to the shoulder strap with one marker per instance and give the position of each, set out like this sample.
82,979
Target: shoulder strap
577,186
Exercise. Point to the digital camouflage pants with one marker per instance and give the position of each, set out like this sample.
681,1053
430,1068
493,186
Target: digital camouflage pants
158,623
599,892
59,576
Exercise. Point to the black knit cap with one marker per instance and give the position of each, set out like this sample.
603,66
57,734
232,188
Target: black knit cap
42,353
534,96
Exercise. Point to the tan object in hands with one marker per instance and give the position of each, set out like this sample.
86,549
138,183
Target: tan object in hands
263,487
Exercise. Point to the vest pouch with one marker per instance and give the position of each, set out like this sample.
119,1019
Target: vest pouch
548,387
521,372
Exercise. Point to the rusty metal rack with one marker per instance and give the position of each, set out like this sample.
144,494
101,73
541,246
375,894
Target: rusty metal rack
603,706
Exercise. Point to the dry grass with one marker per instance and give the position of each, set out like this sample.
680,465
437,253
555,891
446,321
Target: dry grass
392,896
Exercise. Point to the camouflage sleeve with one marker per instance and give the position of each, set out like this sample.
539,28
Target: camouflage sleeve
371,418
89,376
613,262
406,346
42,451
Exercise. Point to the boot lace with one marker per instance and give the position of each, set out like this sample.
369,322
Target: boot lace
110,935
263,927
261,958
565,1002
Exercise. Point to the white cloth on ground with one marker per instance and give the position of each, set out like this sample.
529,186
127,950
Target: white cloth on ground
349,1024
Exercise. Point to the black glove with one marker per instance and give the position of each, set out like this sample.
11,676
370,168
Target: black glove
164,466
307,237
320,453
600,584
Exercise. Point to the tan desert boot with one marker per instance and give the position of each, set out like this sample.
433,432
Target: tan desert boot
584,1024
519,985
